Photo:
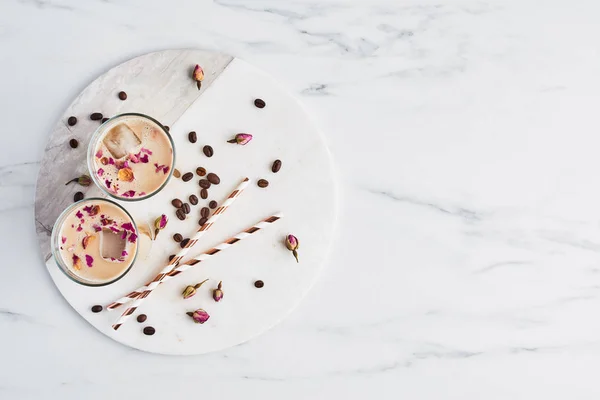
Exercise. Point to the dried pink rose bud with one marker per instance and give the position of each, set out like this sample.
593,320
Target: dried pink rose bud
83,180
160,223
190,290
199,316
292,243
198,75
218,293
241,138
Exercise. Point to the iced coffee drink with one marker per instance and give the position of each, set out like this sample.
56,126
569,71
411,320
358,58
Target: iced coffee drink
131,156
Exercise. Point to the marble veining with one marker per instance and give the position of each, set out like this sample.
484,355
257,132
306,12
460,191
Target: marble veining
479,282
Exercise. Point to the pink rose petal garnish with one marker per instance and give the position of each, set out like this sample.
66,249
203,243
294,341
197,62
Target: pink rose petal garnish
99,153
134,158
97,228
100,172
145,150
113,259
79,214
63,239
89,260
107,183
166,169
79,228
141,194
123,235
129,193
123,253
132,238
144,158
111,161
128,226
115,230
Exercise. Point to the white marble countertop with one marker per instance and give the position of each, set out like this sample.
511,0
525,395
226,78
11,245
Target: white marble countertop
467,256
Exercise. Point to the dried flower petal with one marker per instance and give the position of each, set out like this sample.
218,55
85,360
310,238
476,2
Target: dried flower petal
100,172
97,228
123,235
86,241
134,158
63,240
218,293
104,161
111,161
132,238
89,260
124,253
128,226
241,138
145,150
79,214
106,221
144,158
92,210
126,174
99,153
129,193
76,262
79,228
292,243
199,316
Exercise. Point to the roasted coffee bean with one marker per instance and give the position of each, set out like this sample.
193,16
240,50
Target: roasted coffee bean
213,178
73,143
172,256
205,212
180,214
167,128
259,284
142,317
186,208
212,204
202,221
177,203
208,151
96,116
263,183
149,331
122,95
204,183
105,119
192,137
204,194
72,121
187,176
96,309
184,242
193,199
78,196
276,166
260,103
176,173
177,237
201,171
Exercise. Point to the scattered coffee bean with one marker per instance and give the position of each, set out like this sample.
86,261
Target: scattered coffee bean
172,256
78,197
276,166
177,203
72,121
73,143
167,128
180,214
142,317
192,137
201,171
176,173
184,242
187,176
177,237
212,204
204,183
213,178
208,151
259,284
96,116
105,119
149,331
122,95
204,194
186,208
193,199
202,221
260,103
263,183
96,309
205,212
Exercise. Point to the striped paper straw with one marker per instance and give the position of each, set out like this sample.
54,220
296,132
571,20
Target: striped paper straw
198,259
175,261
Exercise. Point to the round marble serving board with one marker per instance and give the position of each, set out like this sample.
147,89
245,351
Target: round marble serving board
160,85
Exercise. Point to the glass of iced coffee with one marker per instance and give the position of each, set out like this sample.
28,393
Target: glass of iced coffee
95,242
131,157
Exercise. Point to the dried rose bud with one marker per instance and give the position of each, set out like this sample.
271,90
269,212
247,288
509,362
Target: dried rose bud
190,290
199,316
292,243
83,180
198,75
126,174
218,293
241,138
86,241
159,224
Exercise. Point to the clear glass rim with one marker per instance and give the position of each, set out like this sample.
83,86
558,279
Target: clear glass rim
55,245
91,153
